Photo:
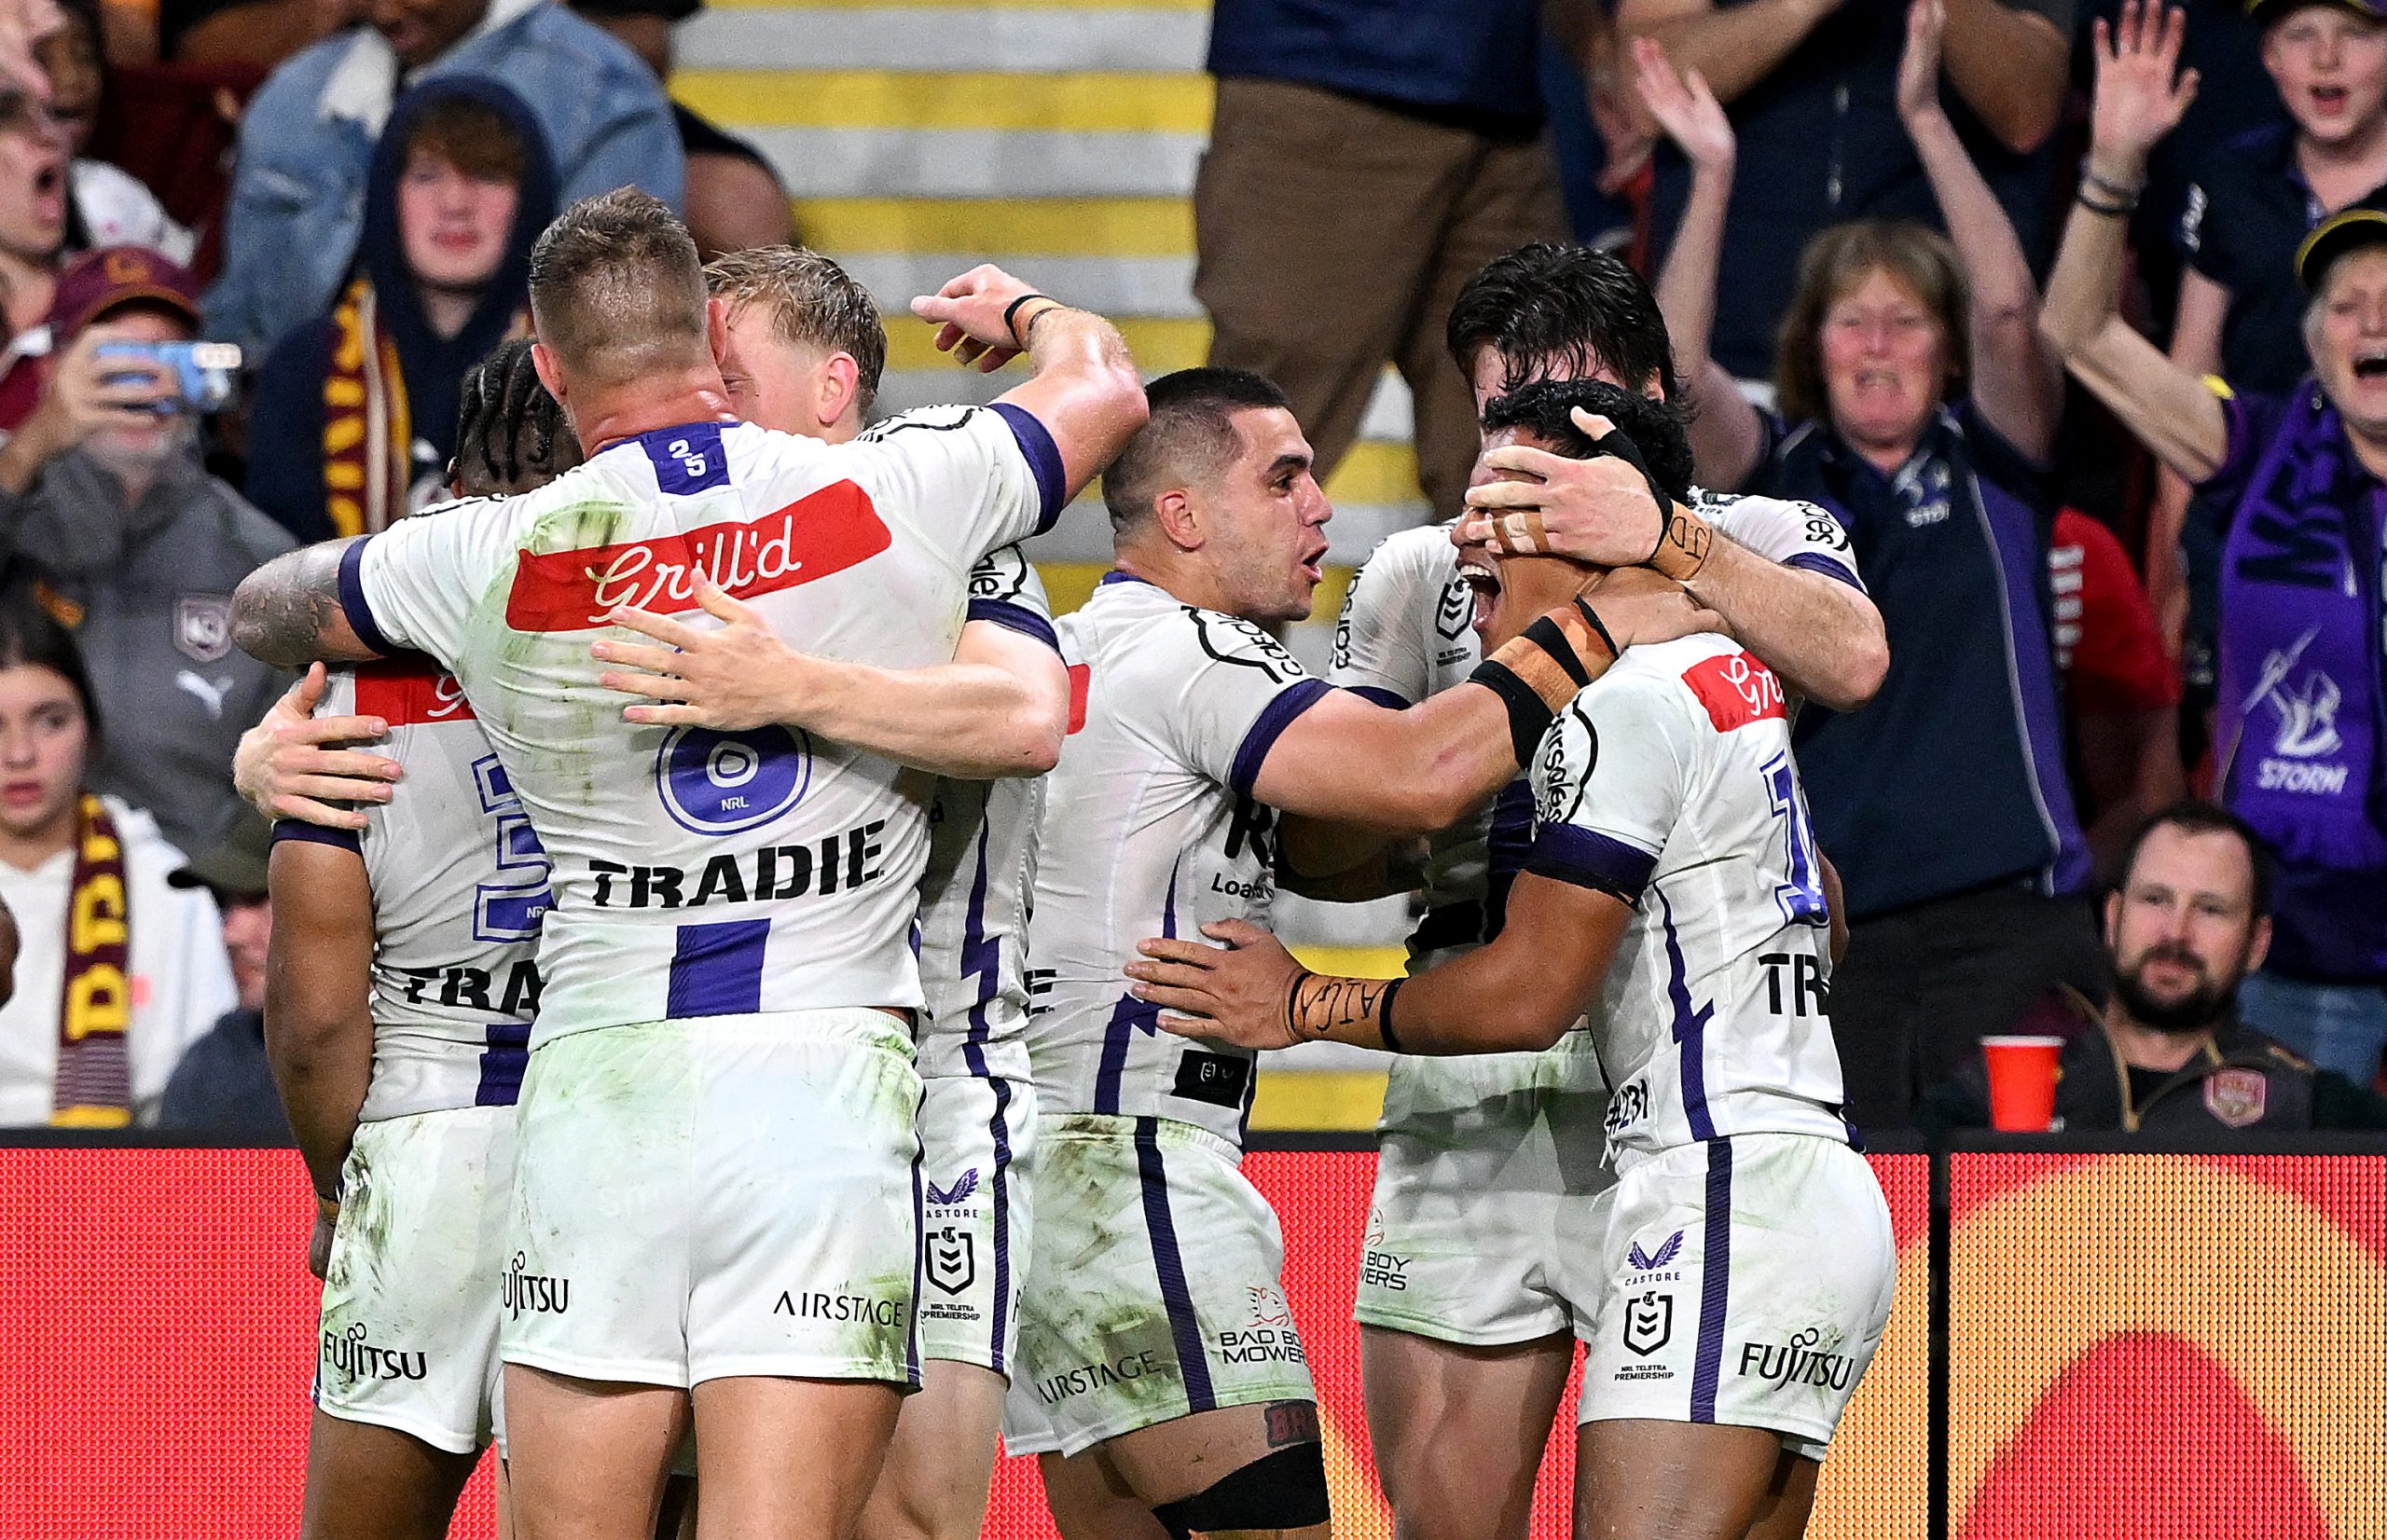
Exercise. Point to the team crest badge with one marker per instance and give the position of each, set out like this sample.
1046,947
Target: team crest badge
1649,1322
203,626
952,1259
2236,1097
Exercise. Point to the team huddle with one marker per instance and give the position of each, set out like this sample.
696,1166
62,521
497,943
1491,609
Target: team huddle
755,976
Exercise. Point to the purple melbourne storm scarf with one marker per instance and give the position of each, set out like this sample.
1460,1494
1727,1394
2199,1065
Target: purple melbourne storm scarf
2302,713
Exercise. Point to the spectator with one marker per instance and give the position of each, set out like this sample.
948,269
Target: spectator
108,207
2301,729
1813,88
2167,1055
223,1085
104,1006
1919,408
257,33
1404,137
103,485
341,443
2121,694
33,228
307,141
2252,203
734,199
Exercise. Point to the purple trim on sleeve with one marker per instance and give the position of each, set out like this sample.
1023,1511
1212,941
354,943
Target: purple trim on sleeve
1592,861
351,600
315,834
1830,567
1277,715
1043,459
1012,617
1389,699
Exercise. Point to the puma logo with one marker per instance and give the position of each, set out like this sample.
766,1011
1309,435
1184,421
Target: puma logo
210,695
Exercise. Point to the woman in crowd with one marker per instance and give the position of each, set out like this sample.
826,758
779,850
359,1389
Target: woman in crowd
354,420
117,970
110,207
1917,407
2301,735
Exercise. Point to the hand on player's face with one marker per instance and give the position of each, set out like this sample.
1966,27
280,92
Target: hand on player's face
286,766
1599,511
1236,995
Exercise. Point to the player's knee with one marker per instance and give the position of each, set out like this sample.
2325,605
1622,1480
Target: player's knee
1282,1490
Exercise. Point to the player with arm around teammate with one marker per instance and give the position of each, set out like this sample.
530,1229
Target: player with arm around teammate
730,934
1671,891
1471,1293
1158,1362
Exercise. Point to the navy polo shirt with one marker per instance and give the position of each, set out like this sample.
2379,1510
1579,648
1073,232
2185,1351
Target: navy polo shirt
2247,211
1951,778
1473,59
1821,144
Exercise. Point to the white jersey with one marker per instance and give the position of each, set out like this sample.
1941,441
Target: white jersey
982,867
701,874
1669,783
460,886
1151,830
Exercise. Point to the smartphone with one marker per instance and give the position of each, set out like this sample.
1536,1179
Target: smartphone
205,371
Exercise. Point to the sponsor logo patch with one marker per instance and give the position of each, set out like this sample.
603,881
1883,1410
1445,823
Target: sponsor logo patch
2236,1097
203,626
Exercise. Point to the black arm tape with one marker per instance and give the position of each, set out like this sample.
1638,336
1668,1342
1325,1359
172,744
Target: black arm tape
1384,1018
1529,718
1544,633
1013,309
1617,445
1591,619
1283,1490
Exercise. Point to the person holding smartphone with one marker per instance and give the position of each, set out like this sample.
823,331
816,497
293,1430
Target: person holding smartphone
102,484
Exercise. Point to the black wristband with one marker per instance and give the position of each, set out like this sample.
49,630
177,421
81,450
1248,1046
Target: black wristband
1384,1017
1013,309
1529,716
1618,443
1591,619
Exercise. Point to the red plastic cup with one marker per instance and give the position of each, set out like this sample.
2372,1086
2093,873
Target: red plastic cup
2022,1081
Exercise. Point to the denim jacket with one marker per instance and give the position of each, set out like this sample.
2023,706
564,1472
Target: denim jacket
298,191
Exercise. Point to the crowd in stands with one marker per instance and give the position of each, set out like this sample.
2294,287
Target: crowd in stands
2074,321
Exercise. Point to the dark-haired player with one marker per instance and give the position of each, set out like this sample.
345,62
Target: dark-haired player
1672,893
1470,1299
511,437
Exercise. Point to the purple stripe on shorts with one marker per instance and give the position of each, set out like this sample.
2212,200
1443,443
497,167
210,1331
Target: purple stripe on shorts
999,1126
717,969
505,1055
1714,1282
1183,1325
920,1247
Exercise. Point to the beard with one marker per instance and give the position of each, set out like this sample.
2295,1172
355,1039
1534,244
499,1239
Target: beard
2194,1011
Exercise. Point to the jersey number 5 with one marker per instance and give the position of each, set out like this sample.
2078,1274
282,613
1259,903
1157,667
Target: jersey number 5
1802,896
509,910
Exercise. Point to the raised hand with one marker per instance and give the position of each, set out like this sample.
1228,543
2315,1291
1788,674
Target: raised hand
2142,92
1683,105
972,312
1926,23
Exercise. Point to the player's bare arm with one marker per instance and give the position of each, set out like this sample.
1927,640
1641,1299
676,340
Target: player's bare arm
1413,772
318,1014
999,708
1821,635
1085,390
289,764
8,954
287,613
1521,991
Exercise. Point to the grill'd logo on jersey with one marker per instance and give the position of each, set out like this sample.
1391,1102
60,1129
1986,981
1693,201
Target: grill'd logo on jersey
409,691
814,536
1736,689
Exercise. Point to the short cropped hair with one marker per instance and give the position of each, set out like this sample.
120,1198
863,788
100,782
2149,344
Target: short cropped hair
1835,264
814,303
1189,436
616,288
1573,309
471,136
2196,817
511,436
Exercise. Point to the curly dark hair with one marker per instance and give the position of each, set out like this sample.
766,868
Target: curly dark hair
511,436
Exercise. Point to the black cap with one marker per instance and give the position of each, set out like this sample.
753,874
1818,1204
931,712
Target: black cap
2264,13
234,866
670,11
2333,237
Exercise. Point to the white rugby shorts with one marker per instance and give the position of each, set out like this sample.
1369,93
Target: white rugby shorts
1157,1291
1749,1280
977,1156
408,1336
1491,1200
727,1195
